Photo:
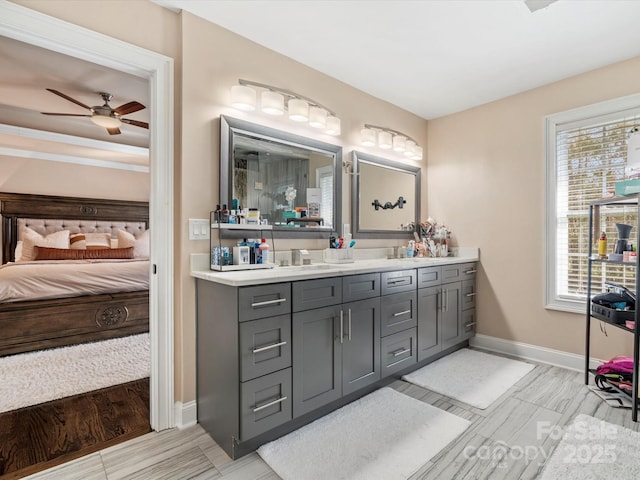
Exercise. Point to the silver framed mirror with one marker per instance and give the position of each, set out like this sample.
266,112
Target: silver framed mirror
294,181
385,197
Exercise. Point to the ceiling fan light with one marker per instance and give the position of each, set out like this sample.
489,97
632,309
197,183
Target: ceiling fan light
105,121
317,117
385,140
243,97
272,103
368,137
399,143
298,110
333,126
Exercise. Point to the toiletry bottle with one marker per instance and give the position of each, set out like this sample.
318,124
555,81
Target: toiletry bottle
602,245
216,214
264,252
224,214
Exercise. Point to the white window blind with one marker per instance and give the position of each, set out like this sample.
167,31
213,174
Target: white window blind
590,156
324,182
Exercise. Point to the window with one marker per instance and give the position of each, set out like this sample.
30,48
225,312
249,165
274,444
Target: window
324,181
586,155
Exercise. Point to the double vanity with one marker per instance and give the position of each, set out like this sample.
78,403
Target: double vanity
279,348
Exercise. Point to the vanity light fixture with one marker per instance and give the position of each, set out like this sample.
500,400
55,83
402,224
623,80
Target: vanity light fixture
273,100
387,138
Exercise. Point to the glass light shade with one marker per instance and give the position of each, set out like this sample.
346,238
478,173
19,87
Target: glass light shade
385,140
317,117
410,148
333,126
298,110
105,121
243,97
399,143
418,154
272,103
368,137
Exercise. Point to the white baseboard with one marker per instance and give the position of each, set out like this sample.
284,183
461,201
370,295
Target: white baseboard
526,351
186,414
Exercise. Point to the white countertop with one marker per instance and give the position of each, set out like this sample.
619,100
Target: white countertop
200,269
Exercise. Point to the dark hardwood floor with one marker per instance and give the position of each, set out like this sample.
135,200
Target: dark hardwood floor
42,436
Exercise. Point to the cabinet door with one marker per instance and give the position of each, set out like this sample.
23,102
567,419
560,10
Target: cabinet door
322,292
359,287
429,277
317,358
360,344
450,313
428,327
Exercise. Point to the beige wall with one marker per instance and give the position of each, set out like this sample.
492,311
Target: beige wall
486,181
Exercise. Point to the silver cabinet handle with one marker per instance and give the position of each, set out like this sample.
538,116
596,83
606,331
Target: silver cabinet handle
393,282
469,272
472,294
446,300
268,347
349,324
268,302
397,353
267,405
401,313
470,324
341,326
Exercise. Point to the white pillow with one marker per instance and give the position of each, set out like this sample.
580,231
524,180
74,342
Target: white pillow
140,243
90,241
32,239
18,253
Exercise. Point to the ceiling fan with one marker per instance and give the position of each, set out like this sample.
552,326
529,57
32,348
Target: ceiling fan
104,115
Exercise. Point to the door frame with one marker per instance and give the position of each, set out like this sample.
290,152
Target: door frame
35,28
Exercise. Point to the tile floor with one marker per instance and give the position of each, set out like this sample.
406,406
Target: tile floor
508,440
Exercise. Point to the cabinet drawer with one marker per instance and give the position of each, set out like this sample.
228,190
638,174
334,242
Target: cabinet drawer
264,301
429,277
468,323
459,271
309,294
265,346
468,294
399,312
360,287
400,281
265,403
398,351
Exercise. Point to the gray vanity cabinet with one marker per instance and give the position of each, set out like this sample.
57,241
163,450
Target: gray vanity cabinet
336,348
450,314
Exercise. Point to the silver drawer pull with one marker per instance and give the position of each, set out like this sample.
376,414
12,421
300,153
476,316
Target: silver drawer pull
397,353
471,294
469,272
268,347
270,404
393,282
470,324
401,313
268,302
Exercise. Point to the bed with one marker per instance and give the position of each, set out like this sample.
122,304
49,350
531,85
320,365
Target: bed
61,314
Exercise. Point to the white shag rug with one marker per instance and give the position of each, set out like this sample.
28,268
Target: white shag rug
475,378
385,435
593,449
37,377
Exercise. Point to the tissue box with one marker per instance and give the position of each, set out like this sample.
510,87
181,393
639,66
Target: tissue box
338,255
628,187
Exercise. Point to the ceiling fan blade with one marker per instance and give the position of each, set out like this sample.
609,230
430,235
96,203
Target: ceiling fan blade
66,114
67,97
128,108
135,122
114,131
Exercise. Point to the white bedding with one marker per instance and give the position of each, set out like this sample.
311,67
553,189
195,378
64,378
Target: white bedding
40,280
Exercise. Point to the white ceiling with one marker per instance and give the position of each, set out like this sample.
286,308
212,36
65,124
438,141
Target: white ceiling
435,57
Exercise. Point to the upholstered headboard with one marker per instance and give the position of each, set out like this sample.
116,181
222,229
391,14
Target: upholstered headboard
46,214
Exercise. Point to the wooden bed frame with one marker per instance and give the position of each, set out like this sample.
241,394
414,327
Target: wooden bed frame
38,324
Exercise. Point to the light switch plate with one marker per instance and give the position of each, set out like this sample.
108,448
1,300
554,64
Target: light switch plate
199,229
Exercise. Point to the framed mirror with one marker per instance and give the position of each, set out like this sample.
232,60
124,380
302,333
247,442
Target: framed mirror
293,181
385,197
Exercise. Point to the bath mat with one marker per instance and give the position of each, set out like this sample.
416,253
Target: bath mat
38,377
475,378
386,435
594,449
